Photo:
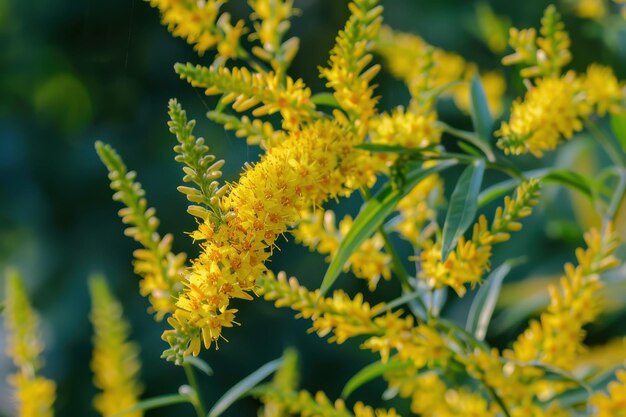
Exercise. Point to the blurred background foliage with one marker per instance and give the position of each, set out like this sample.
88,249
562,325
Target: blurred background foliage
75,72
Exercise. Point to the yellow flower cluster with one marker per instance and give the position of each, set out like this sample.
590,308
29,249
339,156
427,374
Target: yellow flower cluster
34,394
550,110
432,397
613,404
467,263
199,22
596,9
347,318
318,231
406,128
556,339
285,379
115,363
304,170
271,22
428,71
304,404
556,106
264,91
347,73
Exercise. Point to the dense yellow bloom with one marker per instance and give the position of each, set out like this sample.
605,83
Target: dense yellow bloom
347,74
406,128
115,361
613,404
304,404
551,110
304,170
200,24
318,231
34,394
418,207
470,259
603,90
557,337
432,397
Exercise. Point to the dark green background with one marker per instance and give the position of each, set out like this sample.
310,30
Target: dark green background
73,72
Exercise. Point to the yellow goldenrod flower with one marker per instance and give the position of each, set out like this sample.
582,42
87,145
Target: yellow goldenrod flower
557,337
603,90
590,9
200,24
493,28
304,170
541,56
271,22
432,397
34,394
318,231
551,110
285,379
264,91
346,318
406,128
470,259
305,404
347,73
613,404
115,361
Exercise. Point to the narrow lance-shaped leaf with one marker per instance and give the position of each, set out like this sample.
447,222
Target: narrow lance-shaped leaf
372,215
485,301
242,387
199,364
463,206
481,117
370,372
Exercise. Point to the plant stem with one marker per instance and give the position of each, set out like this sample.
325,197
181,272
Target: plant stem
471,138
618,196
196,401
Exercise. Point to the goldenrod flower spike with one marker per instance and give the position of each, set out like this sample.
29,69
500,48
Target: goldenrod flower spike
34,394
542,56
349,73
304,404
603,90
265,93
115,360
557,338
318,231
158,266
470,259
285,379
304,170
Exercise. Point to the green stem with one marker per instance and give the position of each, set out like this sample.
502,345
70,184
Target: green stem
617,157
471,138
618,196
196,401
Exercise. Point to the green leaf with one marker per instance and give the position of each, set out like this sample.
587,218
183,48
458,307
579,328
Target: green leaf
462,207
370,372
481,117
325,99
484,302
372,216
570,179
199,364
156,402
241,388
618,125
